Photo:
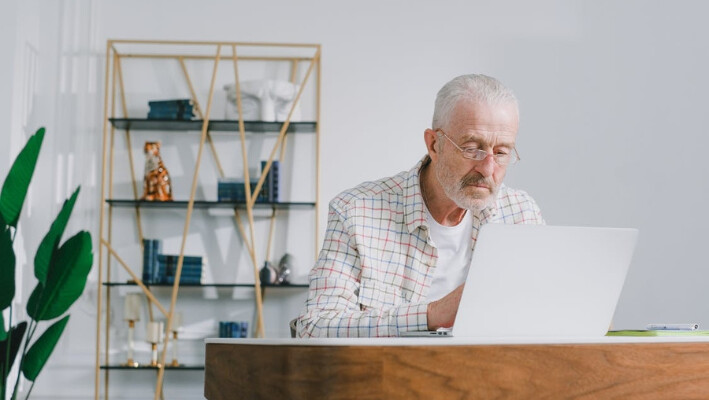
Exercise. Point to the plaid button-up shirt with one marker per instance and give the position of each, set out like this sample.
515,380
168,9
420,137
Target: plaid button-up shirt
377,261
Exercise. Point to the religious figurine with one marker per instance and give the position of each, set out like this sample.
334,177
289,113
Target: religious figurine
156,182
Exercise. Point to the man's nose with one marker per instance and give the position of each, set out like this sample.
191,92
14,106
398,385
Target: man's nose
486,166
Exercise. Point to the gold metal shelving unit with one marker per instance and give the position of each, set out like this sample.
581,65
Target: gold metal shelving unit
115,97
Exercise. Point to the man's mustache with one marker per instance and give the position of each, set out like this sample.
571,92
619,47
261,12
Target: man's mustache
476,179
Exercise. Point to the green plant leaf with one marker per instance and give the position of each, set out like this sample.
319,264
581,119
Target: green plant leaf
7,270
16,333
34,301
14,190
3,332
40,351
66,279
51,240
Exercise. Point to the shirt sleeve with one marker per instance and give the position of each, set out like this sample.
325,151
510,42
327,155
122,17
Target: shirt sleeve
338,305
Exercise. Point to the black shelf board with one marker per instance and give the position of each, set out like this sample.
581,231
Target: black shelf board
143,124
202,204
148,367
205,285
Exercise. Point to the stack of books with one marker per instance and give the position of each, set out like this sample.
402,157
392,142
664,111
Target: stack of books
161,268
233,329
179,109
191,269
235,190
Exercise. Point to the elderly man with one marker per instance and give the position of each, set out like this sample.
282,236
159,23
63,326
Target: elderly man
396,252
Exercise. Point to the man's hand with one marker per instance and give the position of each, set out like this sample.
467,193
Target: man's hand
441,313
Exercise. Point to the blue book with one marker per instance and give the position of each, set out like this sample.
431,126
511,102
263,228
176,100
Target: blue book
172,258
151,249
272,181
183,276
236,191
235,329
184,280
171,109
244,329
170,102
175,108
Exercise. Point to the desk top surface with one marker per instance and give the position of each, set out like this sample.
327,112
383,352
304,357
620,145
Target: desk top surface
455,341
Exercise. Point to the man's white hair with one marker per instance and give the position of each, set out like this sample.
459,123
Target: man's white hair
476,88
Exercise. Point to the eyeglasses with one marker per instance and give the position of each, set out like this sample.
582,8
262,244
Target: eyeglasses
501,158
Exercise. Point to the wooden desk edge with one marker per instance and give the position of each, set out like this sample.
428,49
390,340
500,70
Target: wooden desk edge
604,371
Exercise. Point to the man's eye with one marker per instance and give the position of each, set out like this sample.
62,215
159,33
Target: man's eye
502,152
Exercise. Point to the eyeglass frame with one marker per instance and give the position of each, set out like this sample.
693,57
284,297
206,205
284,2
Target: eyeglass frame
465,152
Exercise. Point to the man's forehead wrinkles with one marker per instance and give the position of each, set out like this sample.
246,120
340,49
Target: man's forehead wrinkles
488,136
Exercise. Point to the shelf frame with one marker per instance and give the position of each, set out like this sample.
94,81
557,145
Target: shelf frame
114,94
180,204
208,285
221,125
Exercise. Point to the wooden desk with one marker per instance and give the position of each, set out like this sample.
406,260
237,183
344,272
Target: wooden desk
451,368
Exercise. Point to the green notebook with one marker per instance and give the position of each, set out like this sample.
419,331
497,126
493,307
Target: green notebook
659,333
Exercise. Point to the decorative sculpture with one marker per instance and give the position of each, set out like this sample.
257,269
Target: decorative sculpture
156,182
268,275
285,267
263,100
271,275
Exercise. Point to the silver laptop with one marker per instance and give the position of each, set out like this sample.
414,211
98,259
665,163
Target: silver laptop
540,280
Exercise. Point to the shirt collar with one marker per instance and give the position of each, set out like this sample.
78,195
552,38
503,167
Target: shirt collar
414,214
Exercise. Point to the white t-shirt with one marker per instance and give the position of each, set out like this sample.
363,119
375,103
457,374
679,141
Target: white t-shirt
454,245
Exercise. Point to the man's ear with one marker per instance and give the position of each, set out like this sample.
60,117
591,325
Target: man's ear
431,138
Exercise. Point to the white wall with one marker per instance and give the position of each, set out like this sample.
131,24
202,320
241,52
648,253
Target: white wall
8,31
612,102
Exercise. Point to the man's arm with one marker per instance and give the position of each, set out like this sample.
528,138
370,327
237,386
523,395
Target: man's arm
441,313
338,305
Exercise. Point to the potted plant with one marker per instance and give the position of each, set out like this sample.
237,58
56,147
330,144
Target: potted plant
61,270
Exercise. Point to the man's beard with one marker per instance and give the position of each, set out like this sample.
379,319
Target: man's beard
455,189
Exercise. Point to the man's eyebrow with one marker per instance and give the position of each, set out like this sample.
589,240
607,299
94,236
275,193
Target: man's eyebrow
505,144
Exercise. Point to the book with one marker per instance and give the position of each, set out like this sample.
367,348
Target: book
170,103
171,267
272,181
244,329
233,329
172,108
183,275
172,258
184,280
235,190
179,109
165,268
151,250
